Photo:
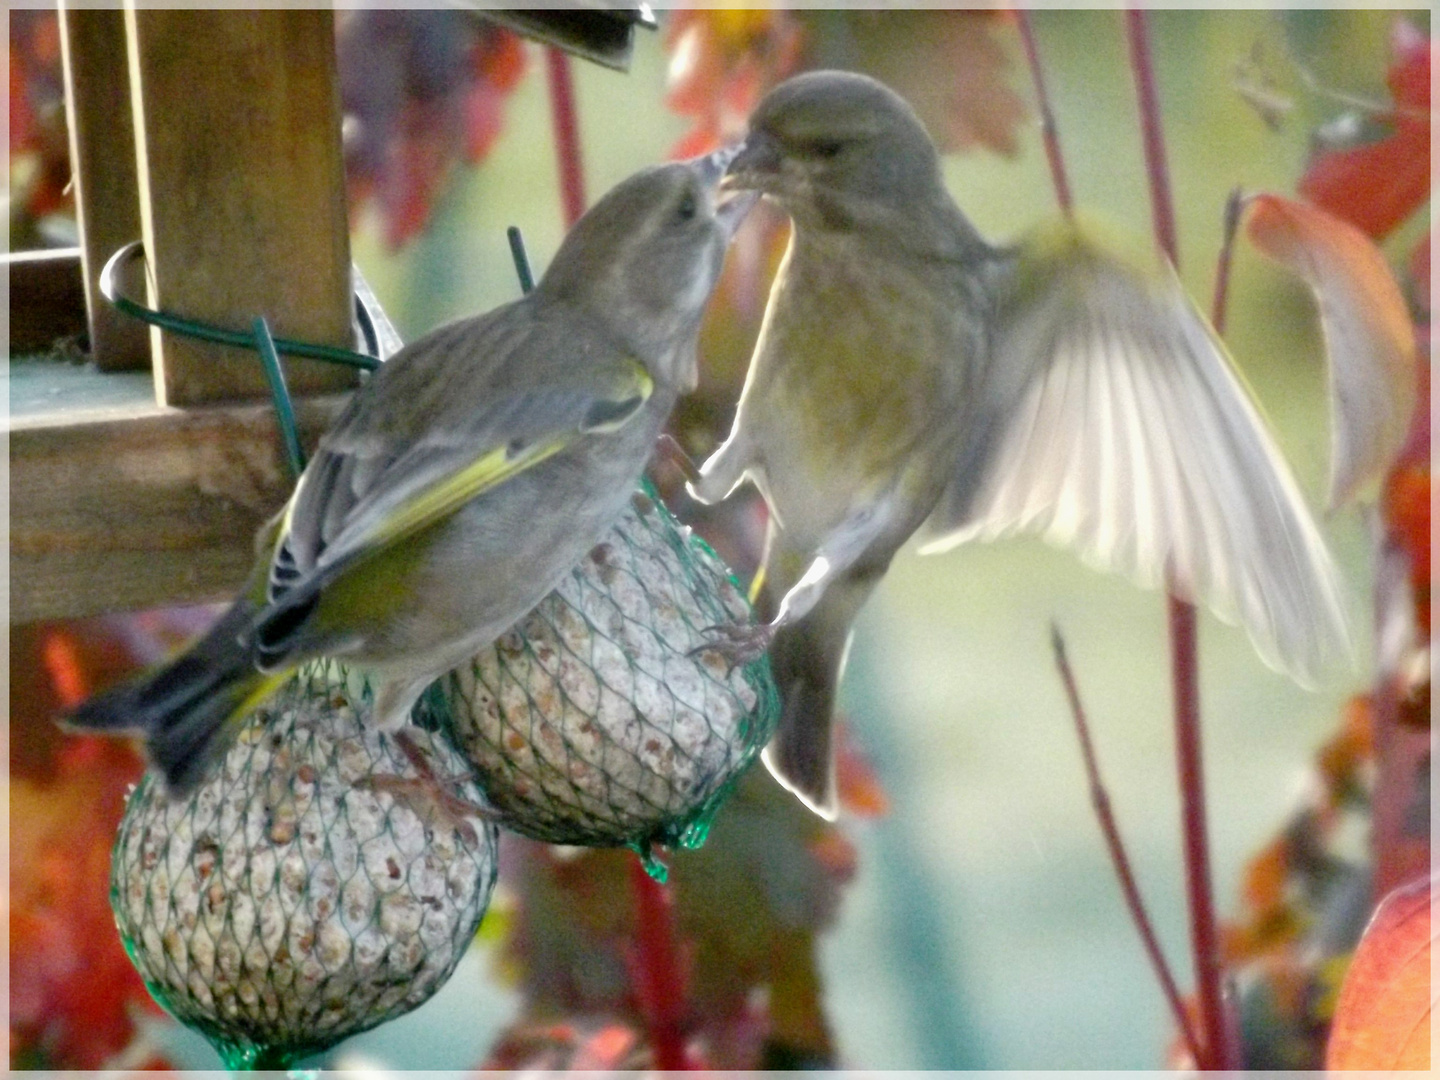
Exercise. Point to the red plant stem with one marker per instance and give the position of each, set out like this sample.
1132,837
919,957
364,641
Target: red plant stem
567,134
1184,655
1162,210
660,985
1219,302
1048,130
1100,799
1204,935
657,969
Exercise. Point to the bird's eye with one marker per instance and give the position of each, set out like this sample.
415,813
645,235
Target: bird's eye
827,148
688,206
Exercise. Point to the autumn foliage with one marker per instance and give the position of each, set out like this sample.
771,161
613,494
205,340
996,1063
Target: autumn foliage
1382,1020
735,981
1378,185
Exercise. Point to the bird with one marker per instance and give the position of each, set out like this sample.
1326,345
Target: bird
911,377
462,480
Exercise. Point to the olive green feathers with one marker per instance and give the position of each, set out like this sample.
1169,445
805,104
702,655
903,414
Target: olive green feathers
911,377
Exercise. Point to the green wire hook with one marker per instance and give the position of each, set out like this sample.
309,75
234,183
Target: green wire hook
214,334
268,346
280,395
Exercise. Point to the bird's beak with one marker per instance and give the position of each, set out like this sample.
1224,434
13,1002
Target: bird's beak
731,206
754,165
713,165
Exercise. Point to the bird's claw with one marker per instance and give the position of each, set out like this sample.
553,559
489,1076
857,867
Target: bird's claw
430,795
668,448
737,643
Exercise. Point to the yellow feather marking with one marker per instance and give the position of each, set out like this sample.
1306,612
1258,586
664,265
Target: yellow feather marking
444,498
645,385
267,685
489,471
757,583
638,391
289,511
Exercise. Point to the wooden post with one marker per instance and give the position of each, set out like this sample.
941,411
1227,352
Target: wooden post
102,155
121,508
242,196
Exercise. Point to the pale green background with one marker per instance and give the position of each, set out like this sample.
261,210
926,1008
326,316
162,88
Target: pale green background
985,929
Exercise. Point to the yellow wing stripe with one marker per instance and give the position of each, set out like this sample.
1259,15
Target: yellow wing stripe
442,499
645,383
489,471
267,685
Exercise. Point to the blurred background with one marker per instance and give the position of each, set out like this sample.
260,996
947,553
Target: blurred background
969,917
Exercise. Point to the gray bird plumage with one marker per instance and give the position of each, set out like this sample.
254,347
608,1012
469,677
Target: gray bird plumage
909,374
472,471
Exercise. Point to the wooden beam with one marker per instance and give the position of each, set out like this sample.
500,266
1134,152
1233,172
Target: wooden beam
102,156
242,195
130,507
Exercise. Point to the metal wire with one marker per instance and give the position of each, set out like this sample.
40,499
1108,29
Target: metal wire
267,345
238,339
280,394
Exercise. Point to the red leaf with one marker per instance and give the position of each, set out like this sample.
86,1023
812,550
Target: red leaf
72,987
1405,505
62,661
22,116
1409,74
607,1049
1382,1020
37,118
1407,513
949,65
1369,340
421,90
1377,186
498,60
721,63
858,786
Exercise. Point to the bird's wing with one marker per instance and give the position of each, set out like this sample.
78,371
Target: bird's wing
1115,423
457,422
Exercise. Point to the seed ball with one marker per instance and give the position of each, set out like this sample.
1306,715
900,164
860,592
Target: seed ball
591,722
317,884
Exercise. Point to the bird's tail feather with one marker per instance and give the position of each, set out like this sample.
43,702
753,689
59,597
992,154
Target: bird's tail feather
807,658
800,755
187,708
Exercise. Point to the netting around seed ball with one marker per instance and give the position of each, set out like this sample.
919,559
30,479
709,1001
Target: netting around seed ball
591,722
320,882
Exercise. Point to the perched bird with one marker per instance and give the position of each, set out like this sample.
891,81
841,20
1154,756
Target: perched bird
909,374
464,479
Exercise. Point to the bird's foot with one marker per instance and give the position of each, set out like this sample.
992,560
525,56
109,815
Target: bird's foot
668,448
432,796
737,643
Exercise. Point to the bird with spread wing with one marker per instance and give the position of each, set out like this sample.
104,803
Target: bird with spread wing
911,377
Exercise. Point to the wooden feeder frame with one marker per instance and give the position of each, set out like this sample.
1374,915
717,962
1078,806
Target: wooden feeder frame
215,137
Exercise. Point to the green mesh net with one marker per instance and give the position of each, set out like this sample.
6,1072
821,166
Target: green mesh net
324,879
327,877
591,722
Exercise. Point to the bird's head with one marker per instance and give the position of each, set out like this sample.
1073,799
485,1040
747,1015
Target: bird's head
836,147
646,257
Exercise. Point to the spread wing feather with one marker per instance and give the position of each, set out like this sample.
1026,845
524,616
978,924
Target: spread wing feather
1118,427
